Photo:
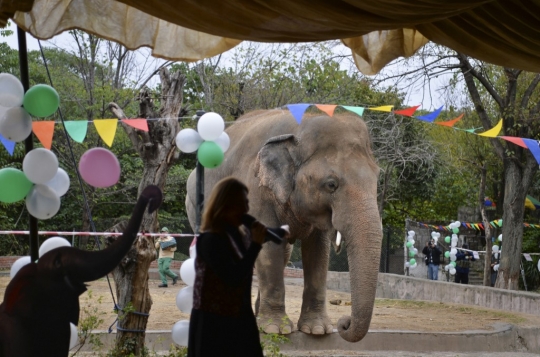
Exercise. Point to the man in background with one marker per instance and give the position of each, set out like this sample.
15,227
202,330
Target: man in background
463,265
166,253
433,259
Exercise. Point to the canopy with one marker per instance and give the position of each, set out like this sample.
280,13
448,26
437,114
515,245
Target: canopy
504,32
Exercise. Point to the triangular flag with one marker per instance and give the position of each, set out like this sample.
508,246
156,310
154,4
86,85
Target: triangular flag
532,145
515,140
9,145
106,129
356,110
450,123
77,129
470,130
493,132
140,124
408,112
298,110
383,108
430,117
327,108
44,131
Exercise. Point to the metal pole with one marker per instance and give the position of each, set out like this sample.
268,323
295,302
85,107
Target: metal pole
28,143
199,188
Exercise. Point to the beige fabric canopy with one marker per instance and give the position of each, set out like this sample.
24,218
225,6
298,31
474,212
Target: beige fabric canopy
504,32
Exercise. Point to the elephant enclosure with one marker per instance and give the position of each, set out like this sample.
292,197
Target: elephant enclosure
387,315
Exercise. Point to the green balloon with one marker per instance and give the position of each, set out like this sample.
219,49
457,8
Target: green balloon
210,154
455,230
447,239
408,244
411,253
14,186
453,264
446,254
41,100
412,261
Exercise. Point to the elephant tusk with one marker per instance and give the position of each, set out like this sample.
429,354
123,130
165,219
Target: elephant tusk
338,239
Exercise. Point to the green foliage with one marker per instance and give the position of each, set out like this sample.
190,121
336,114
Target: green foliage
90,320
270,342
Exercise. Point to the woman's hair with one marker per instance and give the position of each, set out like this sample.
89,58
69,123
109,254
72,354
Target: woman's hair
223,196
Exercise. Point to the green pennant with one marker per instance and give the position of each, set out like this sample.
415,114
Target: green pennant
355,110
77,129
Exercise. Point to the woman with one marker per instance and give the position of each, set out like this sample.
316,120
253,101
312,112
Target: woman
222,321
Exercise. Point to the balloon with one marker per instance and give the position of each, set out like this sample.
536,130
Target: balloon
187,272
447,267
453,257
433,234
453,251
59,183
41,100
457,224
414,266
407,265
437,235
210,126
415,251
74,337
11,91
453,271
453,264
538,266
411,233
447,239
180,332
453,244
412,261
210,154
53,243
495,248
412,241
188,140
40,165
18,264
411,253
455,230
184,299
42,202
14,185
496,267
447,254
408,244
99,168
223,141
500,238
16,124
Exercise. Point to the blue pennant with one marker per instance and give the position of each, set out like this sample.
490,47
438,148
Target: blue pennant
9,145
298,110
430,117
533,146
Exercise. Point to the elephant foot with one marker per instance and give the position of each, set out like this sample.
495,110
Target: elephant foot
275,323
318,325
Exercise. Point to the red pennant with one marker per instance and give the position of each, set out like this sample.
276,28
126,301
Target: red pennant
140,124
450,123
44,131
408,112
327,108
515,140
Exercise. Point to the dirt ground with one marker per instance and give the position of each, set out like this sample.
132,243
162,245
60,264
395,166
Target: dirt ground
387,315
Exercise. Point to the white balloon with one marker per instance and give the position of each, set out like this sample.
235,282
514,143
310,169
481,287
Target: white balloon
495,248
223,141
412,241
74,337
451,225
187,272
18,264
453,271
42,202
433,234
52,243
454,237
500,238
453,251
414,265
210,126
452,258
496,267
436,239
40,165
180,332
16,124
59,183
457,224
438,235
447,267
11,91
453,244
538,266
415,251
411,233
188,140
407,264
184,299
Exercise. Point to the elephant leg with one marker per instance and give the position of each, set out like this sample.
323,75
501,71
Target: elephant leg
272,317
313,316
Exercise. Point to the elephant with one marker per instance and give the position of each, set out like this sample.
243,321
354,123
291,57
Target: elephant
320,178
43,297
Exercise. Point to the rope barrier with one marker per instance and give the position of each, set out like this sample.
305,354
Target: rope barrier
113,234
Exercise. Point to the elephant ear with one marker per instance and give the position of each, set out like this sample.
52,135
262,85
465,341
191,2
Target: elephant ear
276,166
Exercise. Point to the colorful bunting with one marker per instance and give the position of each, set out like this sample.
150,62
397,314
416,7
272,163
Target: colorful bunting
298,110
532,145
493,132
515,140
384,108
77,129
356,110
140,124
106,129
327,108
9,145
408,112
450,123
44,131
430,117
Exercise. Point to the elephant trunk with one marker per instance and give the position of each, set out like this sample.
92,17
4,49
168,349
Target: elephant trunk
363,242
87,266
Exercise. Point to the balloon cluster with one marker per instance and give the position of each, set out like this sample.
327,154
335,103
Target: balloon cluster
184,299
49,244
209,140
496,251
412,250
16,106
451,267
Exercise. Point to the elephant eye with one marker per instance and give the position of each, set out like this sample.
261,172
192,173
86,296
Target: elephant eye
331,185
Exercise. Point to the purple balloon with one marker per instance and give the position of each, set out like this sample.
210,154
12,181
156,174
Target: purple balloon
99,167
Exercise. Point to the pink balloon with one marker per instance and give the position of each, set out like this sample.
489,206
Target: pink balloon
99,167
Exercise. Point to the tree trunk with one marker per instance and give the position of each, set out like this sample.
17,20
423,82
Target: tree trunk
156,148
487,226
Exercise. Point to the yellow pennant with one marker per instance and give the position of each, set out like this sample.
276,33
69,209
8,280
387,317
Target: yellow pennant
384,108
493,132
106,129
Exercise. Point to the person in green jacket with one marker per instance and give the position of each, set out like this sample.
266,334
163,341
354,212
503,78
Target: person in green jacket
164,260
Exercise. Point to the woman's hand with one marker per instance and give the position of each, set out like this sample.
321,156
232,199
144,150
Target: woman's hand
258,232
